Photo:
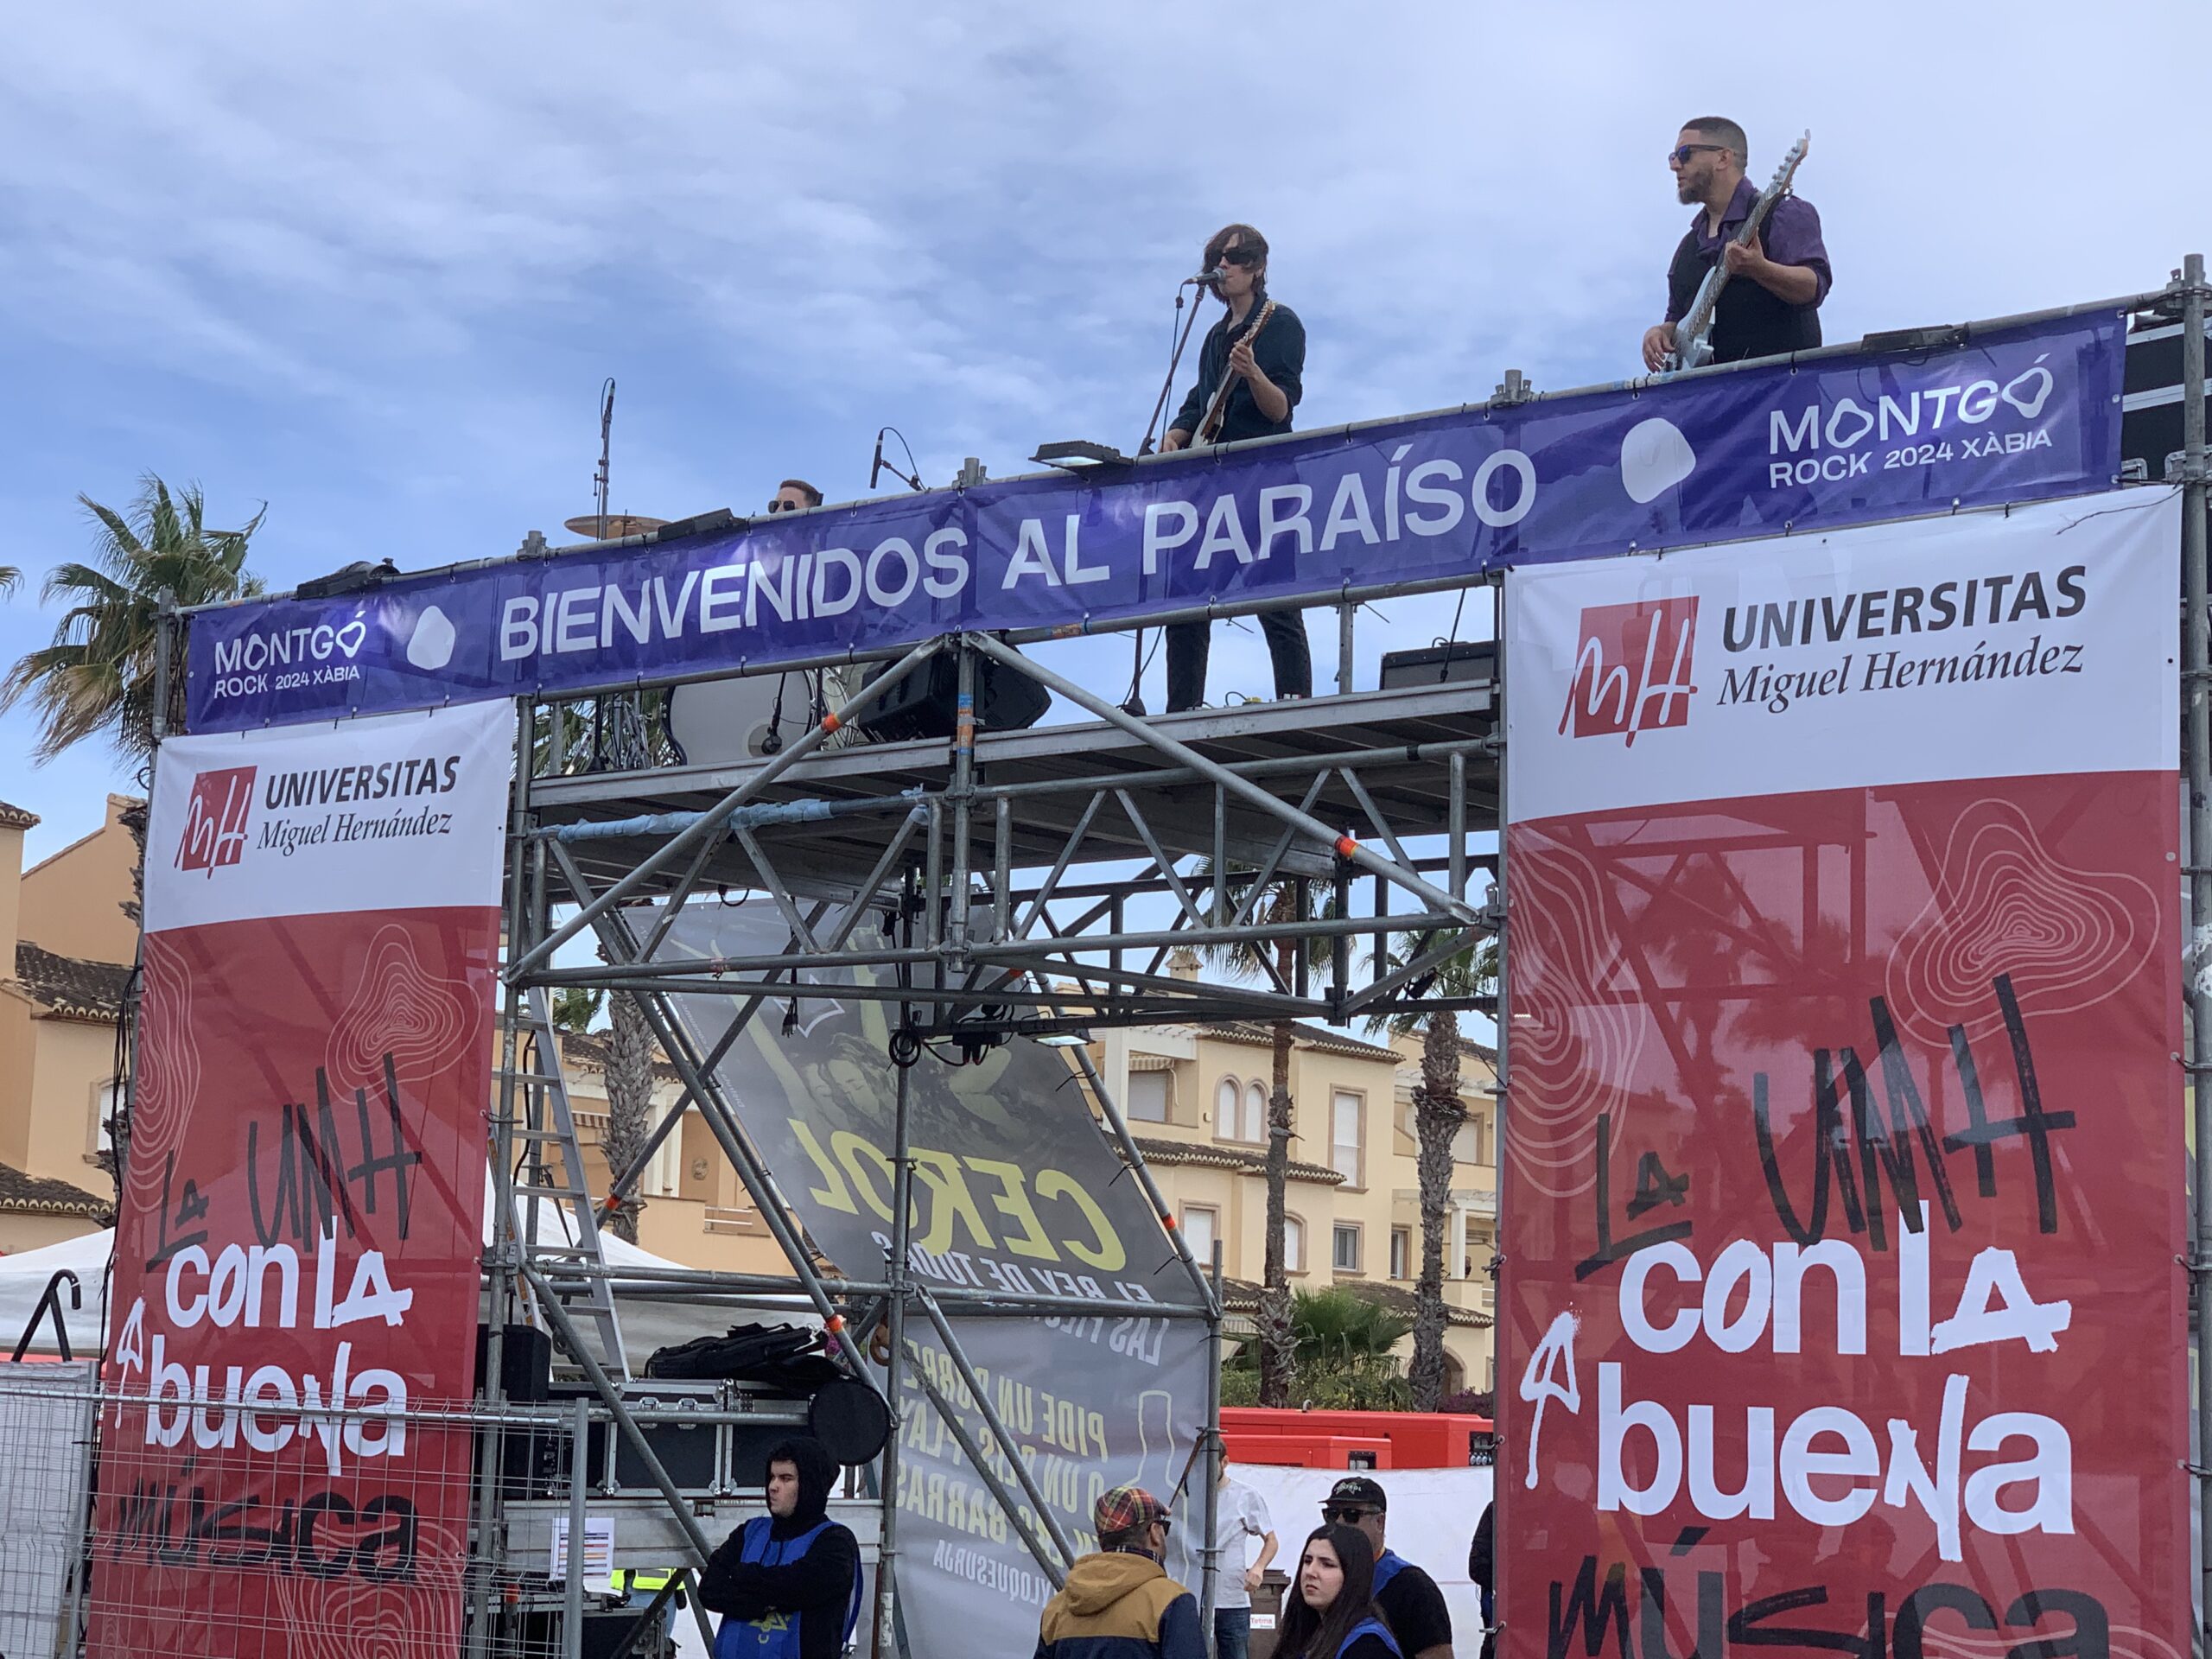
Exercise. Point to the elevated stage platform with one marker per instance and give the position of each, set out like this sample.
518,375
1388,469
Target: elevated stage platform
1206,804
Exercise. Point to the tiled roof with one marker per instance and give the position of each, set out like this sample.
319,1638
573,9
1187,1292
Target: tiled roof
21,1194
1312,1037
71,986
1212,1154
14,817
1241,1296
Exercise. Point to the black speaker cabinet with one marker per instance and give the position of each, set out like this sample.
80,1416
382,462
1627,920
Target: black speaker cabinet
927,702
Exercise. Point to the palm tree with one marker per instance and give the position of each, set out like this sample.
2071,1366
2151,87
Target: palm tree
9,576
1284,900
1341,1343
575,1007
629,1104
97,678
1438,1114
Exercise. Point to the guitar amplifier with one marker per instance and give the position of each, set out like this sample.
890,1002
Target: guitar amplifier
927,702
1445,664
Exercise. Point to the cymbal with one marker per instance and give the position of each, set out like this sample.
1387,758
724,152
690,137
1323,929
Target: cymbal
616,525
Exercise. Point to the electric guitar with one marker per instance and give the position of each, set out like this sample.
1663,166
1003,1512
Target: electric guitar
1216,412
1693,334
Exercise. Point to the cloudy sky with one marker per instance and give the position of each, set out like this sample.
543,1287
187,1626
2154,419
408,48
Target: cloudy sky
370,265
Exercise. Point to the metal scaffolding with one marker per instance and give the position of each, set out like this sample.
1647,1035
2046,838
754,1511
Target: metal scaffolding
1041,880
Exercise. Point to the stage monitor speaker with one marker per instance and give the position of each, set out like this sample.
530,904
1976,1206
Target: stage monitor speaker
525,1363
925,702
1460,659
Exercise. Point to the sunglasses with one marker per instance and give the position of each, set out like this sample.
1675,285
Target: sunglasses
1240,256
1680,154
1347,1514
783,507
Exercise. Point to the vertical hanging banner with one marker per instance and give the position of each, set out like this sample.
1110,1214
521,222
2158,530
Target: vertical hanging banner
297,1248
1844,1185
1017,1191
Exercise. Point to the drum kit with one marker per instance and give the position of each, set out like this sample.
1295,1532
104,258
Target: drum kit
718,722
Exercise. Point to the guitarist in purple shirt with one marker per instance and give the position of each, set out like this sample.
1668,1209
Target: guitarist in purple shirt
1776,280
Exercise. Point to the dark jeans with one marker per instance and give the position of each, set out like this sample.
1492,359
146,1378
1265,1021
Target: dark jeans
1186,658
1232,1632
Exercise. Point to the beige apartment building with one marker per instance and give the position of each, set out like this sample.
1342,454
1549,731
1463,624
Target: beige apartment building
1196,1098
67,942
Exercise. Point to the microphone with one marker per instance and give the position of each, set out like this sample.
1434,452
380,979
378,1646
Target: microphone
876,471
1206,278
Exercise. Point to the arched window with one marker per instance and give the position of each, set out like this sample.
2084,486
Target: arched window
1255,1112
1293,1245
1228,1097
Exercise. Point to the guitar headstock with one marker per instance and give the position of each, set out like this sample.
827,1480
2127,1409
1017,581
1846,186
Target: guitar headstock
1788,171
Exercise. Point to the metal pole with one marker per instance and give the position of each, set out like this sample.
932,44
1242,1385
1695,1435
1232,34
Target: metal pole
1347,608
1210,1590
962,794
1500,1490
2197,666
1344,846
490,1466
902,1197
572,1596
1007,1446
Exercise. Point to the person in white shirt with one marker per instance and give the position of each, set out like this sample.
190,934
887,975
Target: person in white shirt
1243,1513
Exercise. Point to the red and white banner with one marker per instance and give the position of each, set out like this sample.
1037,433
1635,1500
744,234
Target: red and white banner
1843,1197
296,1257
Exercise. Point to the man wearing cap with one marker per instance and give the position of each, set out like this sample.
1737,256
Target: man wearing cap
1120,1603
1408,1596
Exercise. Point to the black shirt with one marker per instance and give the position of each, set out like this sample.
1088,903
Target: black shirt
1280,353
1415,1608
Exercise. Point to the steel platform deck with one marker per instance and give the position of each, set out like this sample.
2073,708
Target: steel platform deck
1399,744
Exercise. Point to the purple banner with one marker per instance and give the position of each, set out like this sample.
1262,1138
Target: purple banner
2014,415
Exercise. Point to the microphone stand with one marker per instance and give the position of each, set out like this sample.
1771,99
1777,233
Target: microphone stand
1135,706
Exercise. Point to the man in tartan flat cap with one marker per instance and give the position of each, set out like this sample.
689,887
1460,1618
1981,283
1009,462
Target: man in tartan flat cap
1120,1603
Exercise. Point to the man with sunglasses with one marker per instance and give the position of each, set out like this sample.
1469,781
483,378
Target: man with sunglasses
1409,1597
1269,378
1776,280
794,495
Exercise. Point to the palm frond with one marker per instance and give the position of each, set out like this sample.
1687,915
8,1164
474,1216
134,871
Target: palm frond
96,676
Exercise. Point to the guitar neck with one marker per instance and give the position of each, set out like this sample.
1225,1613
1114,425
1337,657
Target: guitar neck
1209,425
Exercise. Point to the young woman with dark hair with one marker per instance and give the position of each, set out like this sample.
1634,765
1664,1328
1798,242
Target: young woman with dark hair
1330,1612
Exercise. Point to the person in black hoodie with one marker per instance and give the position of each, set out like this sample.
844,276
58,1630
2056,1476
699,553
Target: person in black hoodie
787,1583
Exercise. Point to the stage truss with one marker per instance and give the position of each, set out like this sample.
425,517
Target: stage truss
1037,882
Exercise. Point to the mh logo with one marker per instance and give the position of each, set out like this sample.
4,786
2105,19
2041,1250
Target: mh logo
215,822
1632,668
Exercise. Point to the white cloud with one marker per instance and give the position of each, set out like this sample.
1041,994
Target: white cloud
373,263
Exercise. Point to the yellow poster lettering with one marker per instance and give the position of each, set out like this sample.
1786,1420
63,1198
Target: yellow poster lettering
833,1193
858,1156
1012,1200
950,1201
1106,1255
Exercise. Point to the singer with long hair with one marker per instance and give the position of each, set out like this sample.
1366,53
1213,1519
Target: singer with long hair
1263,365
1329,1611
